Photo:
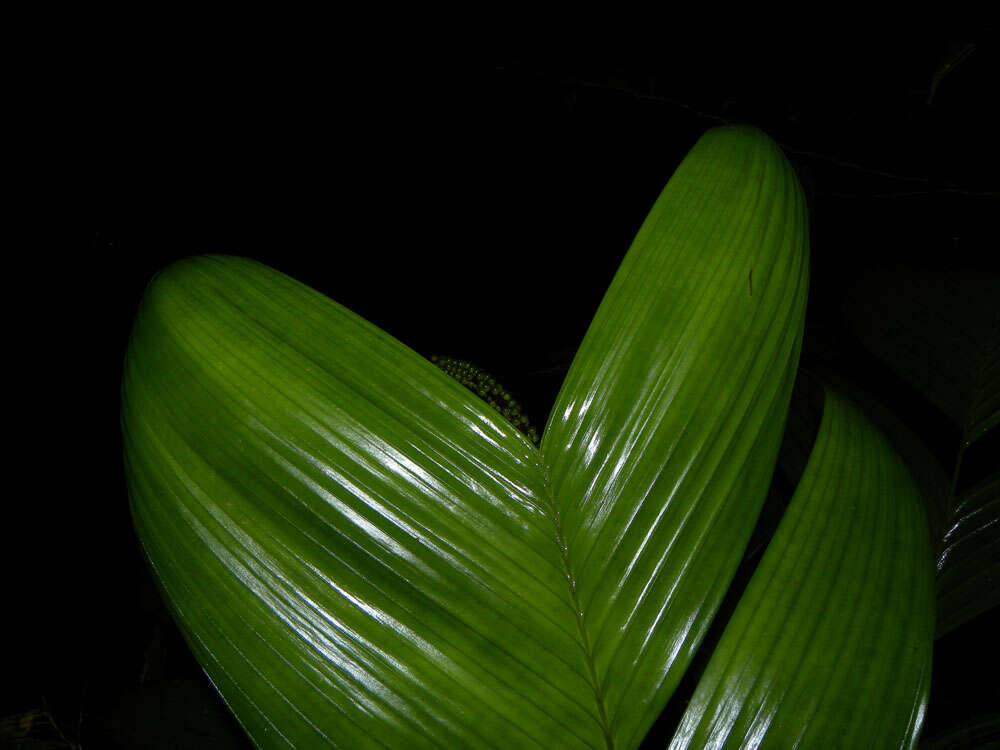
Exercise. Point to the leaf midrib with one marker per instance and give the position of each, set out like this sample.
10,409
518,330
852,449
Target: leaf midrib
552,512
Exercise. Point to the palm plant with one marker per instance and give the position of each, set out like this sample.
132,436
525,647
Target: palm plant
361,553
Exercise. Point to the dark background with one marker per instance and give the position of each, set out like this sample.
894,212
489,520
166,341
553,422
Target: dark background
469,183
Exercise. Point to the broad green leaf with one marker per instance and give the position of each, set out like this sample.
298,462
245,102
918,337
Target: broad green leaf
969,564
934,483
831,643
361,553
778,496
665,433
938,329
358,549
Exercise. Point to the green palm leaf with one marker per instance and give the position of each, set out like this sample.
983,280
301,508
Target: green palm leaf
830,645
347,572
939,329
363,554
969,564
931,479
664,436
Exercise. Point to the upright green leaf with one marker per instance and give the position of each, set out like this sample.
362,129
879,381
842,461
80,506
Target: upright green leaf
664,436
938,329
969,564
361,553
830,645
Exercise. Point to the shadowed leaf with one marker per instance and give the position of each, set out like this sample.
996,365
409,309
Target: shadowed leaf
830,645
170,715
932,480
939,329
969,565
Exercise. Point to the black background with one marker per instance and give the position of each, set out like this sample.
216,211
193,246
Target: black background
469,182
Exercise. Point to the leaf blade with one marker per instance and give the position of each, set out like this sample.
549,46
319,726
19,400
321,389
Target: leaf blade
969,564
665,433
360,551
288,464
938,329
831,643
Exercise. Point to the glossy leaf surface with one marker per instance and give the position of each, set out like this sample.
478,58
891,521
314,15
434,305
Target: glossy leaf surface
969,564
363,554
347,571
939,329
931,479
664,436
830,645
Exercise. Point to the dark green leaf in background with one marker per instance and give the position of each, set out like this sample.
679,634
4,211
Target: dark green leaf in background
174,714
939,329
969,565
980,733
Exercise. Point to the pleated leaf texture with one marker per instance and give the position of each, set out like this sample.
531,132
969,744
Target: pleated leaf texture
830,645
969,567
361,553
937,327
